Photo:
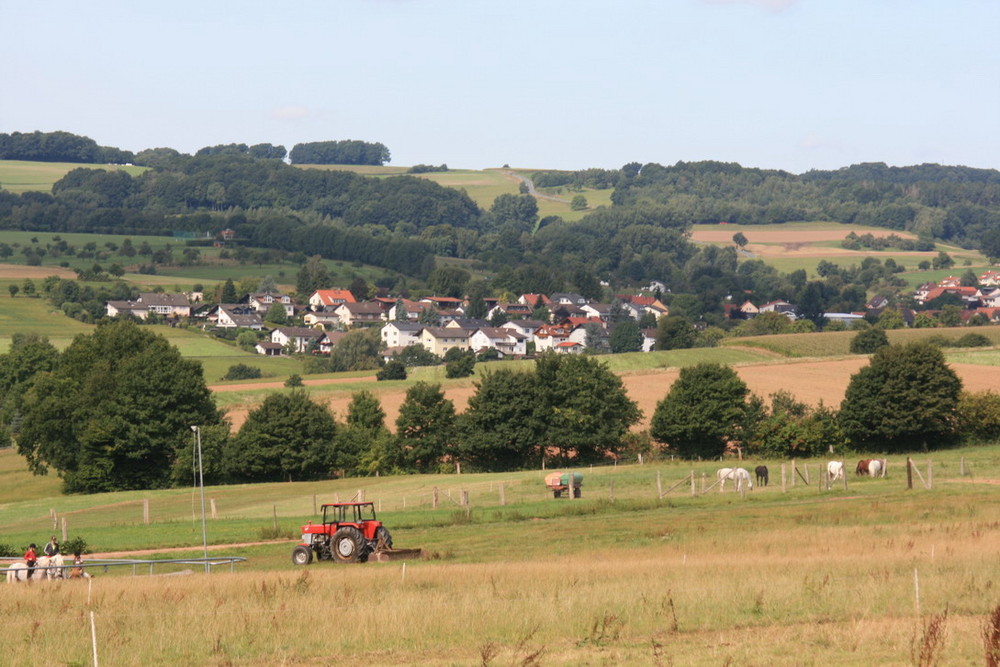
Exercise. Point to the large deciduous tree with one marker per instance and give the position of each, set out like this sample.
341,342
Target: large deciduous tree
905,399
501,427
585,408
114,411
425,428
702,412
289,437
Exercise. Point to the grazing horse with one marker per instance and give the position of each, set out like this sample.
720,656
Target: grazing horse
862,468
738,475
761,472
875,468
835,469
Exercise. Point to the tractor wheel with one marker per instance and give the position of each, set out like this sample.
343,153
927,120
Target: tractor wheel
576,492
383,540
302,555
347,545
556,493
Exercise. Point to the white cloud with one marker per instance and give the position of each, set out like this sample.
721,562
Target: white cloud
289,113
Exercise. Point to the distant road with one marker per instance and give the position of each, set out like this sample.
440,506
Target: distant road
531,187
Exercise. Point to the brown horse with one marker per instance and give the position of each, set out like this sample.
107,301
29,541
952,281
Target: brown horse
862,468
761,472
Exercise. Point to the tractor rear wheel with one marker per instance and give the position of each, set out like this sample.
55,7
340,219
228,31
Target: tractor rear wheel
347,545
302,555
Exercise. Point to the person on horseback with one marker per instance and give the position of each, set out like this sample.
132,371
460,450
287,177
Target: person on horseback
30,558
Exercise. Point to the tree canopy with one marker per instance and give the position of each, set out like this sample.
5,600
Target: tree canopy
113,412
905,399
702,412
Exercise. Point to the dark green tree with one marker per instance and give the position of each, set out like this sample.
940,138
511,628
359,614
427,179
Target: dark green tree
702,411
425,428
114,412
362,440
867,341
626,337
905,399
394,369
229,294
276,314
311,277
674,333
585,407
500,429
289,437
461,367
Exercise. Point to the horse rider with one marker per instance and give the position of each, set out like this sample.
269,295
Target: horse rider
52,548
30,558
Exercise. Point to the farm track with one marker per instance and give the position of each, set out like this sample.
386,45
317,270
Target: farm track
165,550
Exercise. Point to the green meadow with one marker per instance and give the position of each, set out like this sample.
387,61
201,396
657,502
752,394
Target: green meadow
23,176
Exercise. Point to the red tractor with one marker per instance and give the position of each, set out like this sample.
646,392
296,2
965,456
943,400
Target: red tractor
349,534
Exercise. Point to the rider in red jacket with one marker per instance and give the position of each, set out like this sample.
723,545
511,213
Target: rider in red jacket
30,557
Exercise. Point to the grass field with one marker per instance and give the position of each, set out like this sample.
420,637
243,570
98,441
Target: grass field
23,176
804,576
838,343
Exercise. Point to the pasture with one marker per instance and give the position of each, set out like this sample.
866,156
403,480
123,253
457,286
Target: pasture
805,576
23,176
802,245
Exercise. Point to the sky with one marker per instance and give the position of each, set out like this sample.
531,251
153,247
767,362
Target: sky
558,84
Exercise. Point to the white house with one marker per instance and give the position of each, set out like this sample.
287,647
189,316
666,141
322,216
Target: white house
359,314
263,301
300,338
506,341
234,316
325,298
401,334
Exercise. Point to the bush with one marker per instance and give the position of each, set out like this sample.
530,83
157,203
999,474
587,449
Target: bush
867,341
973,340
294,380
73,545
242,372
462,367
979,416
393,370
7,551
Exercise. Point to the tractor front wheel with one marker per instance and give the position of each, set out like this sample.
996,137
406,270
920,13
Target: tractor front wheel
302,555
347,545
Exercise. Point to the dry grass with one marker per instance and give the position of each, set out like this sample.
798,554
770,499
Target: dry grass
815,579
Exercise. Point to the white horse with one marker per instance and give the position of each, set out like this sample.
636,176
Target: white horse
835,469
875,468
18,571
738,475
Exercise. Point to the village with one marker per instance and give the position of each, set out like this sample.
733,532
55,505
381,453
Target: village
515,329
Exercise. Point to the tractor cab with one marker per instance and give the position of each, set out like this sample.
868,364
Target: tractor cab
348,534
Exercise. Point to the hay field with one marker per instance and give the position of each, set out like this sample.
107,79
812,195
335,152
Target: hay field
805,576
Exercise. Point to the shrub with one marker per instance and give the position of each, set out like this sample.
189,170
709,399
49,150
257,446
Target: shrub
242,372
973,340
294,380
73,545
867,341
393,370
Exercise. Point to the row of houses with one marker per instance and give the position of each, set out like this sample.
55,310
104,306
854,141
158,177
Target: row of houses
437,323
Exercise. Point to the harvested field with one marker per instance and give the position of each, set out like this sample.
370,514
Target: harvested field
725,235
809,381
21,271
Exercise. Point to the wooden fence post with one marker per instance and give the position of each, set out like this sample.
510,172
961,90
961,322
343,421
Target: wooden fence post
843,474
783,478
503,499
145,511
361,495
961,467
930,475
314,505
659,485
434,499
274,511
805,466
692,484
793,472
611,493
212,501
55,521
465,498
703,476
909,473
64,530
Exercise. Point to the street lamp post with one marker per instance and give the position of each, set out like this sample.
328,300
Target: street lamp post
201,483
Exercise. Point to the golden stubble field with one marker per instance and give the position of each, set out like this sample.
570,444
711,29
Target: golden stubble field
810,381
832,579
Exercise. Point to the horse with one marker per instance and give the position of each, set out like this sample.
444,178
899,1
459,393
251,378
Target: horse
835,469
862,468
876,468
45,568
761,472
738,475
